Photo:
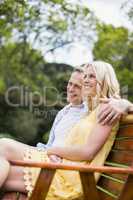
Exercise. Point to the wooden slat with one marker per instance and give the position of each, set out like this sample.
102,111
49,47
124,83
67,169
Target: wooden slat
109,176
104,196
127,192
125,144
118,175
121,156
125,130
121,177
128,119
43,183
89,186
110,185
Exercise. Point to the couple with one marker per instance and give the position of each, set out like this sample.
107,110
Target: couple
89,141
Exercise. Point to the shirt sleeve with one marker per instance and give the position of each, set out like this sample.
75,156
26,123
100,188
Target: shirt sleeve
52,131
51,136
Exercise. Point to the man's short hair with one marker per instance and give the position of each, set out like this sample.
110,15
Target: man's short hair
78,69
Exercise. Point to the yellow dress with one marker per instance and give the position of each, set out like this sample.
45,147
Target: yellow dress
66,185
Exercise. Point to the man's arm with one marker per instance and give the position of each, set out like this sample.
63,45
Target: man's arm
49,143
113,110
51,134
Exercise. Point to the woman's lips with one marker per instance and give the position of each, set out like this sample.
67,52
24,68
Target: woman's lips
86,85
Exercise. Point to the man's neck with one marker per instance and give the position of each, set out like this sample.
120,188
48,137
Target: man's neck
76,104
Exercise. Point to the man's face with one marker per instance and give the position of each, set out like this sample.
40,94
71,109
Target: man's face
74,88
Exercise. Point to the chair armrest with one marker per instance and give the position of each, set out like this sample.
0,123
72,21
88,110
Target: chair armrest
81,168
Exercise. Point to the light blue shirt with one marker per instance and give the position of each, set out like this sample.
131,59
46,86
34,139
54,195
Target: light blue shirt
64,121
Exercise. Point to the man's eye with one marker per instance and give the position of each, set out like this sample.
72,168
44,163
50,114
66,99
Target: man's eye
77,86
85,76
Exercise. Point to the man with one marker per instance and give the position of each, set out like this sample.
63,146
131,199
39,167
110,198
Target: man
70,114
114,109
64,121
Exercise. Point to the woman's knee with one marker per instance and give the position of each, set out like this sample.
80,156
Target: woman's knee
7,147
12,149
4,169
5,141
4,164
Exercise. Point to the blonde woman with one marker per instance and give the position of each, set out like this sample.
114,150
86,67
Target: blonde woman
88,142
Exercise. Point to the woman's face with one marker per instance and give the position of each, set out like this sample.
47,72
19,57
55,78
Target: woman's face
89,82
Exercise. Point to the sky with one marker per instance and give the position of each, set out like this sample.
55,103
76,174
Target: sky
108,11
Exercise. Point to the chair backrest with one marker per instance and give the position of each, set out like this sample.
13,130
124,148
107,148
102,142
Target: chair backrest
121,155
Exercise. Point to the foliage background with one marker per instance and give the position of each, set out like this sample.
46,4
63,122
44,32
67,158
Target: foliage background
27,27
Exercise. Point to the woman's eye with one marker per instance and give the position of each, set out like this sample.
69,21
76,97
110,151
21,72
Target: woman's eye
89,76
92,76
85,76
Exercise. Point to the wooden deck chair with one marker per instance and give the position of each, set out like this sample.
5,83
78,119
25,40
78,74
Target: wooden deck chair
116,181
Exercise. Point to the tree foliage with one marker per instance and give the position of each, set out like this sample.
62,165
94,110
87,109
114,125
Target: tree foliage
38,85
50,24
115,45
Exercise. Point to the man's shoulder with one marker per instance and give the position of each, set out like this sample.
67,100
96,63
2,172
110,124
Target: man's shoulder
83,108
64,109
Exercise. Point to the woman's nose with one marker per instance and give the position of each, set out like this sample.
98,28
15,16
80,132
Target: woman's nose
86,80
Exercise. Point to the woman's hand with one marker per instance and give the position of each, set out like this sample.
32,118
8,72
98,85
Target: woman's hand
113,110
54,158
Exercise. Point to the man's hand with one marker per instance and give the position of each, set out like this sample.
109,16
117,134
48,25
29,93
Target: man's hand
113,110
54,158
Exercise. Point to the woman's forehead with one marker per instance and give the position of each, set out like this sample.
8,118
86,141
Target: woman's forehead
89,69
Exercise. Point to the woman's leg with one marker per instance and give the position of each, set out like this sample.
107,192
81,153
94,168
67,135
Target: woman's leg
4,170
15,180
12,150
12,177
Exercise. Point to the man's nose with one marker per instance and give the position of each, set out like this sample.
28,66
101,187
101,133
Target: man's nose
86,80
71,88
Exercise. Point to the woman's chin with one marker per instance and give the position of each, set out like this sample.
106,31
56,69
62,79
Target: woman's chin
89,94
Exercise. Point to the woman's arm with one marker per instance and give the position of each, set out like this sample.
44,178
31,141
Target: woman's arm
94,143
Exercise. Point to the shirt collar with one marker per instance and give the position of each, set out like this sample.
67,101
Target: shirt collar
70,105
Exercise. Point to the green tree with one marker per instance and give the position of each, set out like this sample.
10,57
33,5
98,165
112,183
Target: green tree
50,24
25,68
115,46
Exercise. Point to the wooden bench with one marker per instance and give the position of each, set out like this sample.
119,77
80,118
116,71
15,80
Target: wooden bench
115,183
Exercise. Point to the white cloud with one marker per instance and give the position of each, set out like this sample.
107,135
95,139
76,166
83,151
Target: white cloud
109,11
76,55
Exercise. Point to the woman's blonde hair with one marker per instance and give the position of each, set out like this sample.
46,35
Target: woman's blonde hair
107,83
